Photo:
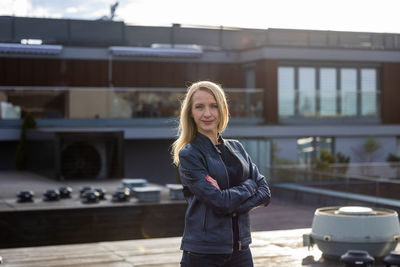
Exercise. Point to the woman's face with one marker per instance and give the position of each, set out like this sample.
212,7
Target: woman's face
205,112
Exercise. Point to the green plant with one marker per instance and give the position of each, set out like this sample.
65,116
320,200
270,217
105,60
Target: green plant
21,157
341,158
324,160
392,158
344,163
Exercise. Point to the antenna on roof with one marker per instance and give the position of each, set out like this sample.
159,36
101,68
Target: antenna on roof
113,8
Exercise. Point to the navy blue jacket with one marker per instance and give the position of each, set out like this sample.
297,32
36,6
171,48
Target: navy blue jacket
208,219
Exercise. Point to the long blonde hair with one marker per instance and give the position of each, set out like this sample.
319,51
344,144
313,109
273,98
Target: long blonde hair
187,128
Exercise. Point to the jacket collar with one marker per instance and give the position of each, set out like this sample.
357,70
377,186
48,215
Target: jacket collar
204,142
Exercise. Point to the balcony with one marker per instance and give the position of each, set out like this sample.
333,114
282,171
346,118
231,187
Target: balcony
330,106
114,107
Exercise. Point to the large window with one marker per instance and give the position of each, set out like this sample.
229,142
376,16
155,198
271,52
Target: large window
327,94
260,152
369,87
308,148
286,84
306,91
348,88
327,91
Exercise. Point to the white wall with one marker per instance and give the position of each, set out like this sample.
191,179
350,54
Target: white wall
352,146
286,148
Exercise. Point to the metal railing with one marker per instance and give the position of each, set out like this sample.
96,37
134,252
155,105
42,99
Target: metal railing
374,179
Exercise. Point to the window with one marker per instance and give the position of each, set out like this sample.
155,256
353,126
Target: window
307,91
348,85
260,153
309,148
368,87
327,91
286,91
327,95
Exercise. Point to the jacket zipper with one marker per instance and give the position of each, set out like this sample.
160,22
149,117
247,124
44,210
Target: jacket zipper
239,241
230,150
205,220
227,179
226,171
238,223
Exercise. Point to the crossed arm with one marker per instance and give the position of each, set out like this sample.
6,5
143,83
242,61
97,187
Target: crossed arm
193,175
251,193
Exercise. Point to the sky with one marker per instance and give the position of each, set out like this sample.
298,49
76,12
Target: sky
336,15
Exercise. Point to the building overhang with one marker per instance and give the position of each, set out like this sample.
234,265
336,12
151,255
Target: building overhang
13,48
177,54
127,51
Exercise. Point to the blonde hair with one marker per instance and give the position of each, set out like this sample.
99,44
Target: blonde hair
187,128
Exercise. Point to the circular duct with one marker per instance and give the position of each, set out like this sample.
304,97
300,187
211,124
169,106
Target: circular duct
336,230
80,160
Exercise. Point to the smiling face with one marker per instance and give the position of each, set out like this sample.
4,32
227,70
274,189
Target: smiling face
205,113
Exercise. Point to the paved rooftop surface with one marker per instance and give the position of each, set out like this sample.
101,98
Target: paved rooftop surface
277,233
279,215
269,249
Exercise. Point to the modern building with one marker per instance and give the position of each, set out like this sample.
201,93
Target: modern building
109,92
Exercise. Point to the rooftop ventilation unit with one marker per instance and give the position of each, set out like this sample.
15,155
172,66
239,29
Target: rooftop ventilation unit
76,153
337,230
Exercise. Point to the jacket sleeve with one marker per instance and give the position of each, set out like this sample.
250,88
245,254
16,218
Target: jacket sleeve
193,172
262,195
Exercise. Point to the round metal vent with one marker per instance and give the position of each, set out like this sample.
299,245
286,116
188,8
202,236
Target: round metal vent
80,160
355,211
336,230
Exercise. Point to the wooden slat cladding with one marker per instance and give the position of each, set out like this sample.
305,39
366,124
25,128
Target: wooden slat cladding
390,97
30,72
171,74
94,73
267,78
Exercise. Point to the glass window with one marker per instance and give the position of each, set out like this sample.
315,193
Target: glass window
348,84
327,78
250,82
323,143
286,84
260,153
328,91
306,91
309,148
368,92
250,78
398,147
305,150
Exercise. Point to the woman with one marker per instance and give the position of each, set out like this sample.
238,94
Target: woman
221,184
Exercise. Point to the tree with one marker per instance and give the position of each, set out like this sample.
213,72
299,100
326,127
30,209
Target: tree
368,151
21,157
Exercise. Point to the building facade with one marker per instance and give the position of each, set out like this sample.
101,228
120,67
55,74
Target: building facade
292,93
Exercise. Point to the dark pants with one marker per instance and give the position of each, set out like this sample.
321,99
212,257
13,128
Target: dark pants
239,258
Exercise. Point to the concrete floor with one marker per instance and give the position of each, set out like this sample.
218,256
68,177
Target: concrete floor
277,234
279,215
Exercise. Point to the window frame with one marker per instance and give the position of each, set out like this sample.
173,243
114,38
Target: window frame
296,65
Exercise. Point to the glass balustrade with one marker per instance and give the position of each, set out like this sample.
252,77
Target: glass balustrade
116,103
336,104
